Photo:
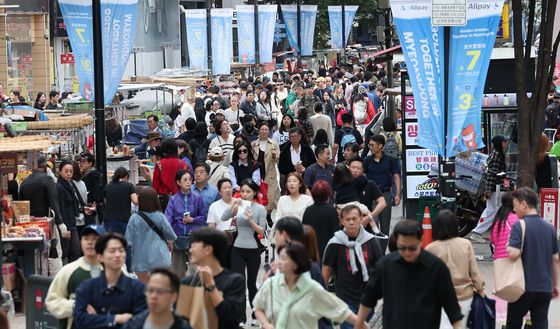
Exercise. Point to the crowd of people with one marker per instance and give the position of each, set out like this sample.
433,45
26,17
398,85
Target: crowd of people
308,162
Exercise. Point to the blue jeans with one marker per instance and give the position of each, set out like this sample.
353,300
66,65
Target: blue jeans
118,226
354,308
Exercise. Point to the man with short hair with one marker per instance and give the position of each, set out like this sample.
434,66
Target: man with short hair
161,295
61,295
216,96
309,99
538,247
348,257
322,169
351,150
321,88
414,285
111,299
380,168
278,97
321,121
249,105
209,193
346,134
292,100
226,289
53,100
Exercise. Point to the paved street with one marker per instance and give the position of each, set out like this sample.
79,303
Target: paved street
486,268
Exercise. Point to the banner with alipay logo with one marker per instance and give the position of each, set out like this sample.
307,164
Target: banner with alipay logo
246,33
470,51
221,39
335,20
118,34
422,47
195,22
267,23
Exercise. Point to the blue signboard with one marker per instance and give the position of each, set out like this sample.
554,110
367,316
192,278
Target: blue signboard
246,33
195,21
221,39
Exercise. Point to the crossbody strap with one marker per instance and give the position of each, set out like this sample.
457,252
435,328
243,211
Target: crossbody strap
152,225
523,229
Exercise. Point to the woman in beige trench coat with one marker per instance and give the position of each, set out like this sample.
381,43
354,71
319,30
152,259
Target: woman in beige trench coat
267,152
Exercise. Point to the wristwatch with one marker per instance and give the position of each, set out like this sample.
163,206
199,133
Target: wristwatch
210,288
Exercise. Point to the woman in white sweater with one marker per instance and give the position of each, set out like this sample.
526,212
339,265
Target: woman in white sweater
295,201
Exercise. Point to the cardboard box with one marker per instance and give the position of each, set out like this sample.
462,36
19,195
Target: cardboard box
21,211
9,276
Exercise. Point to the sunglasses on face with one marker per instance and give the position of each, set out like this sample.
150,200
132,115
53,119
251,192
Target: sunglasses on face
242,151
409,248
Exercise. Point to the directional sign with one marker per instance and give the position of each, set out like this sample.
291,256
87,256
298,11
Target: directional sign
449,12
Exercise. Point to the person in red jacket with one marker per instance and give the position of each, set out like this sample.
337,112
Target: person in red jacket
164,172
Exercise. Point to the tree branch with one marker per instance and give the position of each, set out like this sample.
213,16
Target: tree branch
520,69
529,36
553,57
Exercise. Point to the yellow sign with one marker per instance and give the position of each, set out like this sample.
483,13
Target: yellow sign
503,27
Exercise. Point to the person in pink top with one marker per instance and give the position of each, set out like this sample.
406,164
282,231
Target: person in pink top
505,218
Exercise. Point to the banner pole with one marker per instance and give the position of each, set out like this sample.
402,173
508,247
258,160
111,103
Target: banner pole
343,32
299,32
209,37
257,55
100,152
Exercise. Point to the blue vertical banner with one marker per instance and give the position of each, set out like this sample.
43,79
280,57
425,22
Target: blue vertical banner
289,12
196,26
118,35
335,20
246,33
422,46
470,51
267,24
221,39
307,28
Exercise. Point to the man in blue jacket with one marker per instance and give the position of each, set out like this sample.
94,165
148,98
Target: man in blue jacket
111,299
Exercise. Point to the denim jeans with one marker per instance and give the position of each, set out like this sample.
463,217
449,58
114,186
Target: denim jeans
354,308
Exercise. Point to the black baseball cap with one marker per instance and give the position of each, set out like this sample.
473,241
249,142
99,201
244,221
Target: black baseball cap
95,229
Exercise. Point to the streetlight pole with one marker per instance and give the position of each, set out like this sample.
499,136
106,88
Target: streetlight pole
299,32
209,36
100,152
257,55
343,33
389,69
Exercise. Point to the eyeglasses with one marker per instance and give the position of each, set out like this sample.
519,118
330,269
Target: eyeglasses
409,248
241,151
158,292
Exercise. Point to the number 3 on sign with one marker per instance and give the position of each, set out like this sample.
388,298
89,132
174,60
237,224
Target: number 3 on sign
466,101
475,55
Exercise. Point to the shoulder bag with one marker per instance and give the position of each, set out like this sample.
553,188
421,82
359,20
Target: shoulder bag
509,278
154,227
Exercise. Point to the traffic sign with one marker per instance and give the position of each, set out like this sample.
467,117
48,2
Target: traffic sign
449,12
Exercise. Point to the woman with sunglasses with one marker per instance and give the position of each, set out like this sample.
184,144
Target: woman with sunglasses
243,166
250,220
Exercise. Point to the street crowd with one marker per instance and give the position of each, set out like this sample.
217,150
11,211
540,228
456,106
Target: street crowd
278,196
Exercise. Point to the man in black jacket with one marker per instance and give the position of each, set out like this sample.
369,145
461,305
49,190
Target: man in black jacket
94,184
162,291
40,189
295,156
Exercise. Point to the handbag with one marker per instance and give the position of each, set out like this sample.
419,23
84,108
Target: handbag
195,304
509,278
262,196
482,314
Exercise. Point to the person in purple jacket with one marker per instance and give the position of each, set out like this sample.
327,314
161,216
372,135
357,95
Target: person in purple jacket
185,212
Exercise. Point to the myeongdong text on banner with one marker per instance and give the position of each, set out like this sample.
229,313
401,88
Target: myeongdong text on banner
246,33
335,20
267,23
195,21
422,47
308,18
289,12
221,39
470,51
118,35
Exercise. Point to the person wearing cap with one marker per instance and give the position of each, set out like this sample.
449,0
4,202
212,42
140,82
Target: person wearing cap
321,88
61,294
151,140
496,163
217,169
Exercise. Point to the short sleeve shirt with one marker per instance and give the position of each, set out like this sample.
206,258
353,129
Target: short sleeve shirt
539,246
381,171
117,196
338,139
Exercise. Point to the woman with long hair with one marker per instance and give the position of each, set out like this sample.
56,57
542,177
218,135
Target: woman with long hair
543,173
295,201
148,249
118,196
185,153
279,304
243,166
282,135
496,164
264,109
458,254
267,153
503,222
329,109
224,139
215,213
165,169
250,220
340,103
40,101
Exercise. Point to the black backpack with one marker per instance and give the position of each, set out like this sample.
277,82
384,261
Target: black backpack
200,152
551,114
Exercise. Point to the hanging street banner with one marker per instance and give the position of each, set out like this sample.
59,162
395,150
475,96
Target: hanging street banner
267,24
246,33
195,22
289,12
118,35
221,39
470,51
422,47
307,28
335,19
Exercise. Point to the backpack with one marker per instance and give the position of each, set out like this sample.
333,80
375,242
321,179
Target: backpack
551,113
347,137
200,152
391,149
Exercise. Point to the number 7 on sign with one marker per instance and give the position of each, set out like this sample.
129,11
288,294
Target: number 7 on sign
80,31
475,54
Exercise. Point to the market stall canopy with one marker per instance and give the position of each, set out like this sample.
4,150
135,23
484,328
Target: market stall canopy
24,144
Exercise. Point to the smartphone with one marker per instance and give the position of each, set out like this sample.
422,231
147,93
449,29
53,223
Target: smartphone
186,214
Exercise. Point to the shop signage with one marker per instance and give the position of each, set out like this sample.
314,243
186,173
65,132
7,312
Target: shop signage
549,205
449,12
8,163
335,21
411,133
420,185
67,59
409,107
37,315
421,160
60,28
221,39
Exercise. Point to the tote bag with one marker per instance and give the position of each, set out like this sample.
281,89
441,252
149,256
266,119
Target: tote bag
509,278
195,304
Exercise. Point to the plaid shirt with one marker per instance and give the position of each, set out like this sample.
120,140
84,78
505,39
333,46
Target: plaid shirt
494,167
